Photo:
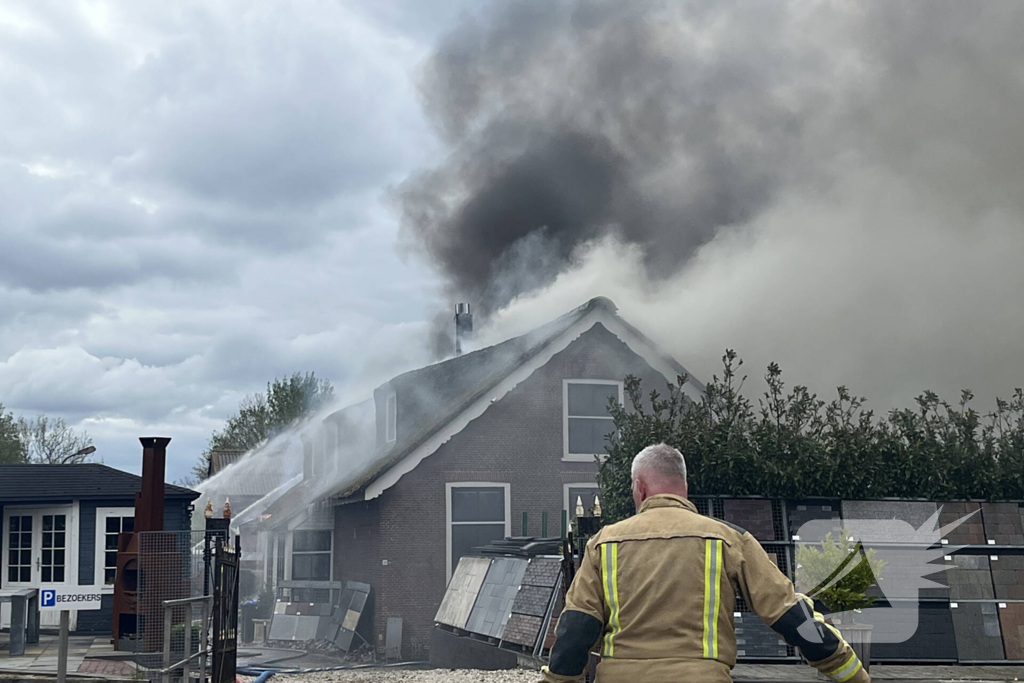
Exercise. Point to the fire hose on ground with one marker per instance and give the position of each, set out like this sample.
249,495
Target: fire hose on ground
263,673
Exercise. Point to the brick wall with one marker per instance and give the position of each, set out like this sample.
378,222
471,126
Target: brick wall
518,440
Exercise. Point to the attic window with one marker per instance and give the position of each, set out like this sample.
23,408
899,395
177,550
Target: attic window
586,420
391,418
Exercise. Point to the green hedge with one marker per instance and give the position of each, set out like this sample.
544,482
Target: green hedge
792,444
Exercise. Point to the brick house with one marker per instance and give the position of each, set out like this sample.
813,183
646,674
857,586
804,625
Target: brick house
450,456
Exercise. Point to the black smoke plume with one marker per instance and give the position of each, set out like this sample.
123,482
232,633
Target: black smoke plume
670,122
571,120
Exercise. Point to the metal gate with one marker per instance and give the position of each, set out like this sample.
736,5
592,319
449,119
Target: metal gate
225,610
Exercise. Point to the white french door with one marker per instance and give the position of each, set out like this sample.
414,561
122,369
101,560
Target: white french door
38,549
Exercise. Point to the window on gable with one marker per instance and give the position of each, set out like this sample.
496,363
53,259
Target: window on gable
587,420
392,418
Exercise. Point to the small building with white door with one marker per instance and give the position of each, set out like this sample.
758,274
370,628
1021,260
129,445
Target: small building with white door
60,527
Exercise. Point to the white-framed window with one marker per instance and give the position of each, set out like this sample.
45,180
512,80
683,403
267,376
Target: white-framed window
585,417
579,492
109,523
477,512
311,554
391,418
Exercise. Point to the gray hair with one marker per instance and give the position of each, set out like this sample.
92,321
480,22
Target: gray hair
661,460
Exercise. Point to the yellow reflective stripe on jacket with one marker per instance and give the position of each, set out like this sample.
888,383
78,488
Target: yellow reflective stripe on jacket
846,671
712,595
610,580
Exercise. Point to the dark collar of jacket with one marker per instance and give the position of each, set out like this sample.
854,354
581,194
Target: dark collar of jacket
667,500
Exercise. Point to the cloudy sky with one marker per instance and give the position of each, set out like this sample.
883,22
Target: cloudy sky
196,198
194,202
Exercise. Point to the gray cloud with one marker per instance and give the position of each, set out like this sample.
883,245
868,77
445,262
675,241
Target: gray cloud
192,206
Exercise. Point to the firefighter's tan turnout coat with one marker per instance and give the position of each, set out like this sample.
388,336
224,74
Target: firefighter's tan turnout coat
655,595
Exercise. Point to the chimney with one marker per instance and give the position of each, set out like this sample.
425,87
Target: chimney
463,327
149,513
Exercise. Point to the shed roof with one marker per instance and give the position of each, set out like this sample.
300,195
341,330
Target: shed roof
83,481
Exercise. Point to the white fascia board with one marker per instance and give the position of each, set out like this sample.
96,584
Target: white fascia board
650,354
557,345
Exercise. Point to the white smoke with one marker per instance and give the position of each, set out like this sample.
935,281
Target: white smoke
879,285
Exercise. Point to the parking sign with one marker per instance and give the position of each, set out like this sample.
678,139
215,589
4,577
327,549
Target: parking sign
70,598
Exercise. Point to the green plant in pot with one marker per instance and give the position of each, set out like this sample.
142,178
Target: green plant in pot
839,573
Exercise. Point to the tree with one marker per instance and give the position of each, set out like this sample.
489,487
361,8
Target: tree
12,450
796,444
261,417
51,441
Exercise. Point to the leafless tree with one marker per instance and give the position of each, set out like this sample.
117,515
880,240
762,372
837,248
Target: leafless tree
52,441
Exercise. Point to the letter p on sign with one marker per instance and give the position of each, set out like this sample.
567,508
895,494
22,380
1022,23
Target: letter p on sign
49,598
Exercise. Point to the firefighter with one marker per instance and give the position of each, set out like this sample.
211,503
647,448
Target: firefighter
655,594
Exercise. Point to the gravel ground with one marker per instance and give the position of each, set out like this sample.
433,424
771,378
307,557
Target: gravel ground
412,676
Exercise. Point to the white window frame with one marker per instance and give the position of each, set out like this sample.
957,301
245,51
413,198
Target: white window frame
101,531
47,618
391,418
566,503
289,564
448,515
580,457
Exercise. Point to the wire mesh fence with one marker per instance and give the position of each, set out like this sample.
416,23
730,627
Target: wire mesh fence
173,566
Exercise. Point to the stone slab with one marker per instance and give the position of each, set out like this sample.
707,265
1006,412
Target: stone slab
799,513
463,589
970,531
1002,523
1011,620
934,638
754,515
979,637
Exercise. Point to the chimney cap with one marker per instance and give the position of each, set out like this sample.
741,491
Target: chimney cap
462,308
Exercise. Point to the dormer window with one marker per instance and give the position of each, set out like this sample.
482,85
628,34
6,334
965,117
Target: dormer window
585,418
391,418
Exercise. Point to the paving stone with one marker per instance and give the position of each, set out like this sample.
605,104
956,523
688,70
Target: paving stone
543,571
969,578
799,513
532,600
522,629
970,531
915,513
978,633
496,597
1002,523
933,639
754,515
1011,619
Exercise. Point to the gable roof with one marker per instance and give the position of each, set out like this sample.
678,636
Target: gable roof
354,451
439,400
83,481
